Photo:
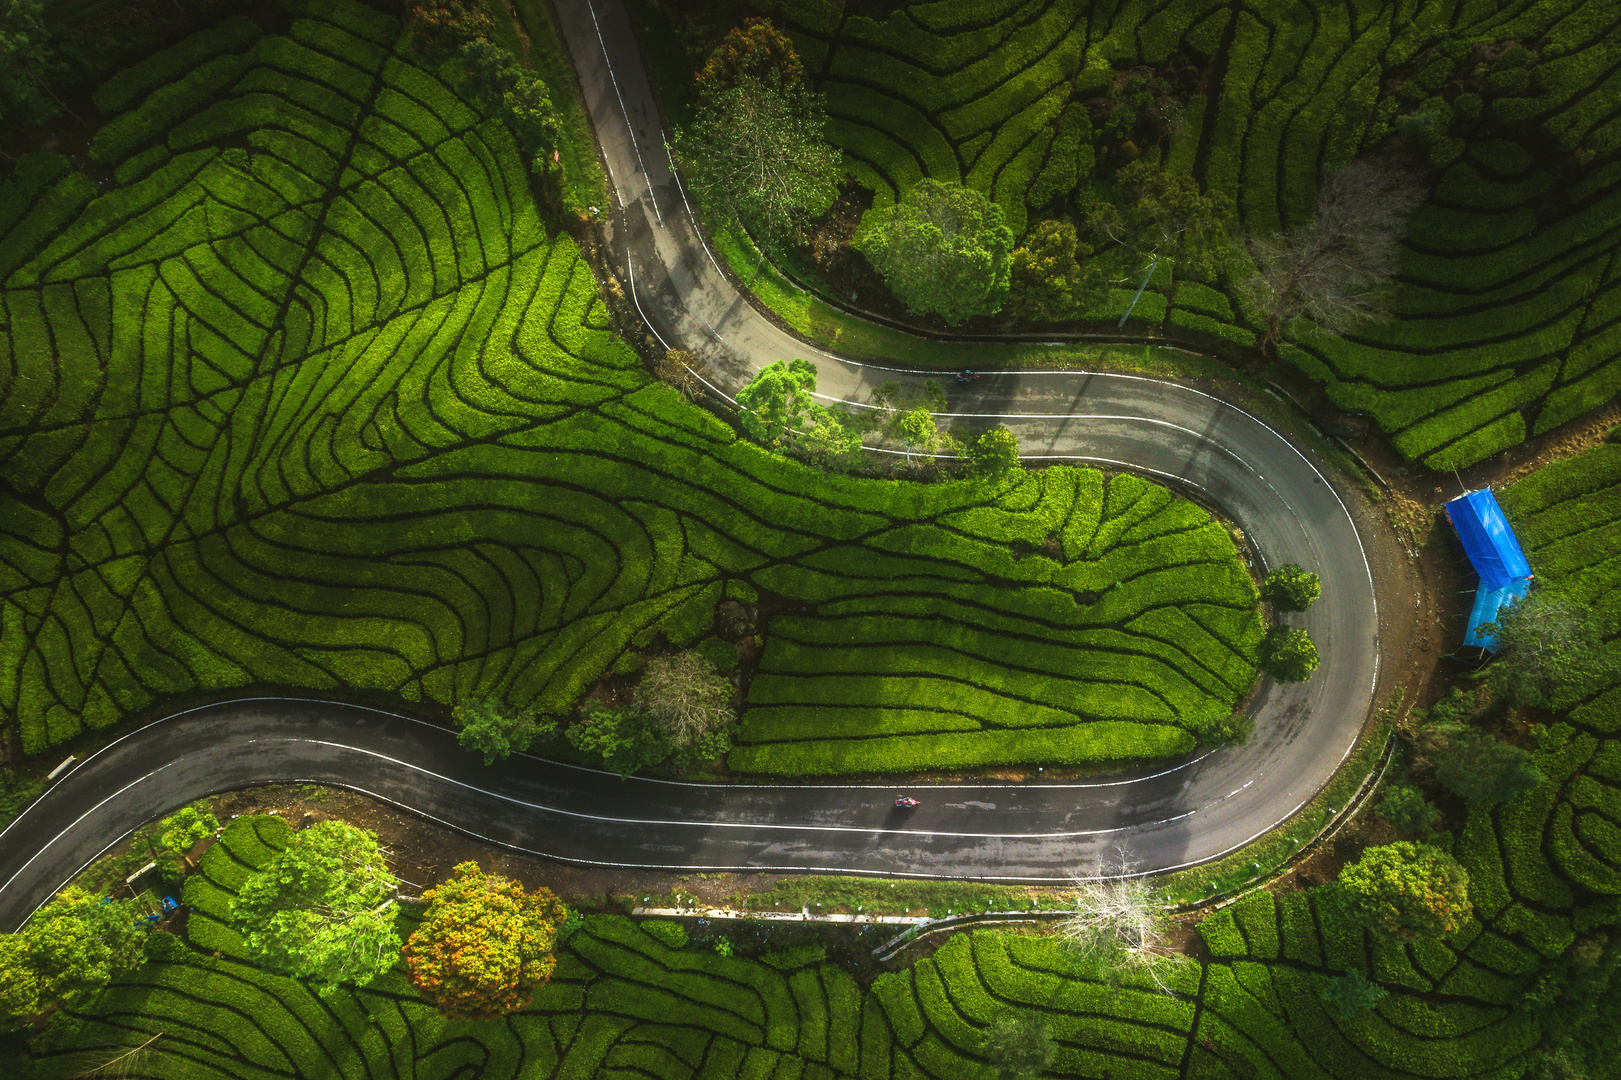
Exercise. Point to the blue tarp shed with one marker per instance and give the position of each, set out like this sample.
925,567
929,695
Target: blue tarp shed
1488,539
1495,553
1488,602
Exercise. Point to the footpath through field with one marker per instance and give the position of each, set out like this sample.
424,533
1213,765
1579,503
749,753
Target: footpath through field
1174,815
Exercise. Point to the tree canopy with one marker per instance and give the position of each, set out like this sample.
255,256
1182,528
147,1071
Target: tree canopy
484,944
500,84
686,697
1409,811
1233,730
1049,279
1352,994
944,249
777,405
1407,891
754,50
491,728
756,150
1019,1045
1478,767
624,740
1291,588
29,60
994,453
1550,650
70,949
322,908
1288,654
1159,214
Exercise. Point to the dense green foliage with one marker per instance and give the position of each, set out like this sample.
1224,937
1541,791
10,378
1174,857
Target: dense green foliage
1480,768
628,1000
943,250
1406,890
755,149
994,453
70,949
1019,1045
1551,650
1352,994
1508,309
1291,587
1408,810
322,908
305,396
1047,277
1234,730
489,728
1288,654
484,944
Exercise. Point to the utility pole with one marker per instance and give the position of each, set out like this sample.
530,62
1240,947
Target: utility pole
1139,296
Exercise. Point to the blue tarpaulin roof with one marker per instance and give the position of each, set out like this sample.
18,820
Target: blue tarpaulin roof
1488,539
1487,603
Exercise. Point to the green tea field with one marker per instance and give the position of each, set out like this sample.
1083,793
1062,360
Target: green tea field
1509,288
1543,879
301,394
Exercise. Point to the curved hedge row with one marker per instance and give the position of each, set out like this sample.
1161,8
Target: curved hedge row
1509,300
625,1000
309,398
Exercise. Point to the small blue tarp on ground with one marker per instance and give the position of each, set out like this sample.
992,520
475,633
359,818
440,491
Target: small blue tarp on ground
1495,552
1488,601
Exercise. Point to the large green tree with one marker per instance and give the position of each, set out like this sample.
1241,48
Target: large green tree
29,60
1159,214
1407,891
776,405
499,83
944,249
756,50
624,740
994,453
70,949
1288,654
1409,811
490,727
484,944
1478,767
322,908
755,149
1550,650
1052,277
1291,587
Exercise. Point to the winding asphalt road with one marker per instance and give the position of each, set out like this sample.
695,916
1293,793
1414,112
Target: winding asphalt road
1174,815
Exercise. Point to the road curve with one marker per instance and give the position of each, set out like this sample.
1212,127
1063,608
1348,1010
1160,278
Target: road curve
1174,815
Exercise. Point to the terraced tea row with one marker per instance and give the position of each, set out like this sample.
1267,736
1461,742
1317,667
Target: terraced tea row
623,1000
309,398
1506,312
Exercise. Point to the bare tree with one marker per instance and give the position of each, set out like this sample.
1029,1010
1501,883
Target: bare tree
1117,923
681,369
1333,272
685,696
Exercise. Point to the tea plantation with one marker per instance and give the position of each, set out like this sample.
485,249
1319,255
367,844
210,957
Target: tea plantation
301,394
1544,880
1509,289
